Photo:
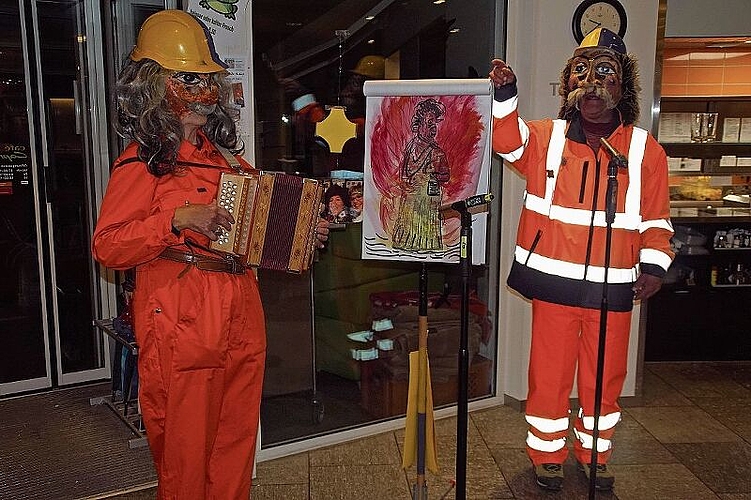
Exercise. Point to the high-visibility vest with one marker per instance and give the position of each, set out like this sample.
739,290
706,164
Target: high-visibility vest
560,254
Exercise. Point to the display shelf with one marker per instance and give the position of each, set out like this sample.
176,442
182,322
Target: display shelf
707,149
682,318
705,172
738,249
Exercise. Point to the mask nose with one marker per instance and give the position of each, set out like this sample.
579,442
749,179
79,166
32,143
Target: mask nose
591,75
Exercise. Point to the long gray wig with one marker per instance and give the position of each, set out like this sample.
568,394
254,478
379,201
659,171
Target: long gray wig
144,116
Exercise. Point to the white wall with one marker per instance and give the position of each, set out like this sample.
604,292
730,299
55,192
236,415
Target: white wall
539,43
707,18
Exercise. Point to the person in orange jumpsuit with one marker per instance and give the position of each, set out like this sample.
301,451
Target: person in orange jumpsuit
197,315
560,258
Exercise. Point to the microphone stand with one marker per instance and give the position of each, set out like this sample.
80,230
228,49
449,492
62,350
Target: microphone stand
462,400
611,196
462,403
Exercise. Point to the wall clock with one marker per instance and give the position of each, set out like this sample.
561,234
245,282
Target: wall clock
591,14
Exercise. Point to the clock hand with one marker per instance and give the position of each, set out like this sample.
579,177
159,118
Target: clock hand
595,22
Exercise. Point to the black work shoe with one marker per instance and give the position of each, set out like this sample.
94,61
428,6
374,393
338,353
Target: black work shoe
604,479
549,476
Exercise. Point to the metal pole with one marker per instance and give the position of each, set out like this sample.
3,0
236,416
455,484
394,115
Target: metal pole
610,204
421,488
462,411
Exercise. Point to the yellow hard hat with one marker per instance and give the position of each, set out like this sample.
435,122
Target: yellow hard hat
602,38
371,66
177,41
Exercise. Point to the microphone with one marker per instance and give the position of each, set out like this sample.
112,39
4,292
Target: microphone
617,157
472,201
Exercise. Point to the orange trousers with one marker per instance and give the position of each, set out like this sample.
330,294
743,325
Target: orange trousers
564,338
202,347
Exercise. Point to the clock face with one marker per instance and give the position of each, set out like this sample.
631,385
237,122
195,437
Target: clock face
600,15
591,14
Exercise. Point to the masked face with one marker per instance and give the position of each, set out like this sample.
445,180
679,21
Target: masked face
595,84
191,92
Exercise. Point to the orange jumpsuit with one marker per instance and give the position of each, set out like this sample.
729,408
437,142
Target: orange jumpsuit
201,334
559,263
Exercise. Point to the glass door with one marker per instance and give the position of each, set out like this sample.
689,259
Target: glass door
51,115
25,361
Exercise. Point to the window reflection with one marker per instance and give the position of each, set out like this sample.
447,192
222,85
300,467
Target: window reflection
310,57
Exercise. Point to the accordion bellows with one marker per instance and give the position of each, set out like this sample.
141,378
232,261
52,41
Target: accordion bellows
275,217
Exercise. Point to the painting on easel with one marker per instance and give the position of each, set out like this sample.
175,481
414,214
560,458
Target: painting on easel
427,146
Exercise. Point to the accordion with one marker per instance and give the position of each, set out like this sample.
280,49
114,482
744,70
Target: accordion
275,216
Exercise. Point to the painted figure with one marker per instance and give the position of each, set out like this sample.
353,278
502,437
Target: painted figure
424,169
560,256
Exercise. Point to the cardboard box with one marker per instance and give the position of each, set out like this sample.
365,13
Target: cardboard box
745,134
384,395
727,161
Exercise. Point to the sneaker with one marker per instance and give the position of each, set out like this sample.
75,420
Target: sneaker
604,479
549,476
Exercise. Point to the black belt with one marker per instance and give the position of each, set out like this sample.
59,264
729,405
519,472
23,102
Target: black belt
227,264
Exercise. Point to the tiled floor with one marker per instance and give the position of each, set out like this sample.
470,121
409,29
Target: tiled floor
689,437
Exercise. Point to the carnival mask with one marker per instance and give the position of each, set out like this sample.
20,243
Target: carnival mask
595,74
196,92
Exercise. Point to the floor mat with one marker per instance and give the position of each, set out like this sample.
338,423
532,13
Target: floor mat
57,445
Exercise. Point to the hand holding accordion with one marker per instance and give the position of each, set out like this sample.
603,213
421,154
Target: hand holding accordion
275,219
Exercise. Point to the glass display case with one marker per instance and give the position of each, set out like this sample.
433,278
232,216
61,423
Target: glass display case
695,316
708,175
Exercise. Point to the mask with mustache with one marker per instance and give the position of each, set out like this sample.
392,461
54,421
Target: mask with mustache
573,97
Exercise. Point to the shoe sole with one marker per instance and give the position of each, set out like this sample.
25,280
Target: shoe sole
597,486
549,487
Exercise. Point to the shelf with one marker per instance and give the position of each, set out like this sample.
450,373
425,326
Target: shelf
719,215
731,249
708,150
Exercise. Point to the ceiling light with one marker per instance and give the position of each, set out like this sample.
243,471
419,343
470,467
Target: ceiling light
369,18
438,2
454,30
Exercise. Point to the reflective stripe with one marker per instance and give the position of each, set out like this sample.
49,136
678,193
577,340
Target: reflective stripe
547,446
629,220
553,162
606,421
583,217
652,256
502,109
657,223
303,101
514,155
547,425
565,269
517,153
586,441
632,205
